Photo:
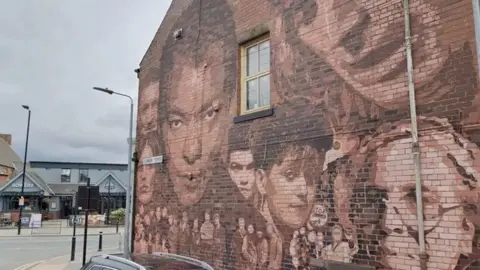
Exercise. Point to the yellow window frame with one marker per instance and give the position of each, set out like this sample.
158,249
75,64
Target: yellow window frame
244,78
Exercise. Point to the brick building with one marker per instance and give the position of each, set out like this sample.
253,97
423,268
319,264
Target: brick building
9,160
299,133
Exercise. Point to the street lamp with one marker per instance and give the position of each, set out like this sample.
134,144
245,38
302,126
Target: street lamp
126,237
24,171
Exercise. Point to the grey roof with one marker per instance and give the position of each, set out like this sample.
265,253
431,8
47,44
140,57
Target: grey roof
33,177
40,181
7,156
64,188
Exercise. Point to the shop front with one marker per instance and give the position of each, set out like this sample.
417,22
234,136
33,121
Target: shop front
35,197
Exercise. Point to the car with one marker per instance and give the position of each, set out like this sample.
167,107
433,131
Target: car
155,261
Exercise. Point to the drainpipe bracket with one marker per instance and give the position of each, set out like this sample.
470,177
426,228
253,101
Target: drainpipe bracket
423,256
416,147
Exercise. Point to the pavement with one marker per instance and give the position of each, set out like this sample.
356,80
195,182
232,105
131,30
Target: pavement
63,262
35,248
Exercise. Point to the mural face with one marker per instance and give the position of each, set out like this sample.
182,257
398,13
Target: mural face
291,185
148,108
375,56
330,176
242,171
193,129
146,177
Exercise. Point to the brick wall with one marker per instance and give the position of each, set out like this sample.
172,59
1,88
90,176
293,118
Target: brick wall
6,175
7,138
330,176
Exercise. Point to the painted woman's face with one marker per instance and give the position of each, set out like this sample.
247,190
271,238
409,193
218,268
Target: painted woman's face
292,192
250,229
146,177
337,234
374,57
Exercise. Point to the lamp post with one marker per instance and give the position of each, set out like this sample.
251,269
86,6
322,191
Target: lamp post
126,236
24,169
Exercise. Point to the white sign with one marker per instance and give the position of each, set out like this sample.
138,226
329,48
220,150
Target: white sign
19,185
152,160
35,221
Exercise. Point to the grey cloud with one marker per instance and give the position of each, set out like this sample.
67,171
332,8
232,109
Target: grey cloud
52,53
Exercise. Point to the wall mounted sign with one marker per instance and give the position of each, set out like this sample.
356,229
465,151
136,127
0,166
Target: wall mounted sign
19,185
153,160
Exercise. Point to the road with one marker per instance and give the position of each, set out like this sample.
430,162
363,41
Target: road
19,250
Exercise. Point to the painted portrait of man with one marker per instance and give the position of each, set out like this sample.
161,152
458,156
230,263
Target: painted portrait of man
240,162
198,80
148,108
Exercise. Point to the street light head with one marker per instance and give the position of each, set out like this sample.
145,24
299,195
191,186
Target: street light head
105,90
26,107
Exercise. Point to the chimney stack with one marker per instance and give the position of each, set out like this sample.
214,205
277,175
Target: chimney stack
7,138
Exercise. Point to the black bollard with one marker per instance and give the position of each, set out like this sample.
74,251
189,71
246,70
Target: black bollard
100,240
117,226
72,255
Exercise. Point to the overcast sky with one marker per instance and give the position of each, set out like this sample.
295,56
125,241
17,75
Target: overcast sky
51,55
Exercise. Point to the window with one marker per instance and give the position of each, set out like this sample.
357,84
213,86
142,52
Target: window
255,76
65,176
83,175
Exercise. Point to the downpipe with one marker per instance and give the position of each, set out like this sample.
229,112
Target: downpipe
415,144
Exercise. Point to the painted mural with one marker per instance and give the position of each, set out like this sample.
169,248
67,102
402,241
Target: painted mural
330,177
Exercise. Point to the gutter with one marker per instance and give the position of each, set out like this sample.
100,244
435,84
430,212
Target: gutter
415,144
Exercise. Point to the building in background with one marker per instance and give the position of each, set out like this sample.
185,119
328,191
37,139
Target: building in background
9,160
50,187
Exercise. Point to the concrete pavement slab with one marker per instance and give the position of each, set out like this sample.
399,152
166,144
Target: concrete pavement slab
50,232
64,263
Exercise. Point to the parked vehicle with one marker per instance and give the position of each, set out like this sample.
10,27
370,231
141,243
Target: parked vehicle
156,261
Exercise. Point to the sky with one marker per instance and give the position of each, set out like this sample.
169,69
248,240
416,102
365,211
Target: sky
51,55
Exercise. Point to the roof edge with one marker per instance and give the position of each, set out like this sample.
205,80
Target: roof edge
156,33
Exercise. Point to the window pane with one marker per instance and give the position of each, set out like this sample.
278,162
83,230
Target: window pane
252,94
264,53
264,90
252,60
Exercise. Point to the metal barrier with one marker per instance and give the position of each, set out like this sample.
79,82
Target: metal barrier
48,227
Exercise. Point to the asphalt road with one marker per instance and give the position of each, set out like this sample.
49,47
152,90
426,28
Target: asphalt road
19,250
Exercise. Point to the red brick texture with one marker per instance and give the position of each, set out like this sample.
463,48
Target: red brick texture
330,176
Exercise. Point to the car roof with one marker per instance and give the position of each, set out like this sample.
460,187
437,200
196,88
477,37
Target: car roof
169,261
115,261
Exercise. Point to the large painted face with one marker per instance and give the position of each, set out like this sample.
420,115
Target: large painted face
242,172
444,193
146,177
197,110
148,116
364,43
291,186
